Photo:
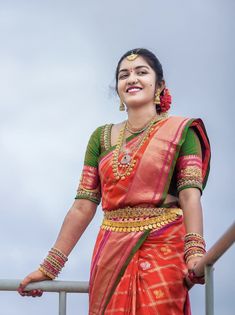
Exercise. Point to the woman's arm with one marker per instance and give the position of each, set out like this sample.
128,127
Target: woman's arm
190,203
75,223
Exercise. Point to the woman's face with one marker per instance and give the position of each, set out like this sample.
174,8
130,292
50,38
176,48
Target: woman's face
136,82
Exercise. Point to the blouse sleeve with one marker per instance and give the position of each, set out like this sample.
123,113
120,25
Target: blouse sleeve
89,186
189,163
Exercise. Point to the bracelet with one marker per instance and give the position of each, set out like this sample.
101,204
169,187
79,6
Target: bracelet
194,246
53,263
46,273
193,234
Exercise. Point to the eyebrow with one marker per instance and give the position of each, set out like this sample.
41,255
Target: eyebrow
134,68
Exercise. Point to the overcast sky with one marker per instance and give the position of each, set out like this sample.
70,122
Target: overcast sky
57,65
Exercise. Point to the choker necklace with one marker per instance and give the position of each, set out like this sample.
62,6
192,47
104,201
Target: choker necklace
136,131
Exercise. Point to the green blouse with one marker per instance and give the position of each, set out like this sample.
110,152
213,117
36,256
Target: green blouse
187,172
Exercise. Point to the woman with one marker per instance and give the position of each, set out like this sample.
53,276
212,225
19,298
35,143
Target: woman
150,171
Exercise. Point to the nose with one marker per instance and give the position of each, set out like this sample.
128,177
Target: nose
132,79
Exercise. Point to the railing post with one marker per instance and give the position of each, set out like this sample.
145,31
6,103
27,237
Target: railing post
209,290
62,303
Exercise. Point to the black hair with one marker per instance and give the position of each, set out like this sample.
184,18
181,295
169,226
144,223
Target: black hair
150,58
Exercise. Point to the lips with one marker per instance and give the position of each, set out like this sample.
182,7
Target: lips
133,89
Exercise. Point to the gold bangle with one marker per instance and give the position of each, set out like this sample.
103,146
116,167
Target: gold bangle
46,273
193,234
59,253
54,262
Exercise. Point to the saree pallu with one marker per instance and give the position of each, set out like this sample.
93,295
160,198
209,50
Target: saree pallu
139,273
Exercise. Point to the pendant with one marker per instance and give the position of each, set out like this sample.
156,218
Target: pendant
126,159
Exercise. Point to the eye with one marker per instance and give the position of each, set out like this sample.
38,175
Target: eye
142,72
123,76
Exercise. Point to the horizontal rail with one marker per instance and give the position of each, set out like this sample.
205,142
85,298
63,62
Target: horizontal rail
46,286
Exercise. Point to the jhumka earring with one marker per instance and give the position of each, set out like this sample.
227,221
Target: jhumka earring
157,99
122,106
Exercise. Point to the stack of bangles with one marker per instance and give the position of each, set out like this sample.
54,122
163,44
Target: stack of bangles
194,246
53,263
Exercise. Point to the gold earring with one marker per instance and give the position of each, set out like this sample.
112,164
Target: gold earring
157,99
122,106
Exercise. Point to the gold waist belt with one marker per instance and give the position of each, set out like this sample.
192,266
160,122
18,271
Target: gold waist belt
139,219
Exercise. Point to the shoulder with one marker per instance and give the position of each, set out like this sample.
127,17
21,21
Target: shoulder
187,123
184,118
108,125
107,128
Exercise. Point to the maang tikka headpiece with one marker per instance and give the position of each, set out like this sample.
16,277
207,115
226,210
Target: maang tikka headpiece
133,55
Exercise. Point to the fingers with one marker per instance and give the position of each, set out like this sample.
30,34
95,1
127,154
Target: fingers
24,283
33,293
32,277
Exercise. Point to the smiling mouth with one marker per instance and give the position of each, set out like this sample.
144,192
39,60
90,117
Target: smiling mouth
133,89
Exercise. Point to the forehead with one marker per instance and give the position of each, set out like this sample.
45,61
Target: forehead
127,64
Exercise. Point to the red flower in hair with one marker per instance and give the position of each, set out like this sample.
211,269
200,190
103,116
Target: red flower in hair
165,100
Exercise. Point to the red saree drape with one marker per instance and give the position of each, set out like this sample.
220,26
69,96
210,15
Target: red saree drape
142,273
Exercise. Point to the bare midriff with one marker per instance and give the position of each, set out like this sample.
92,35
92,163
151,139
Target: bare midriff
170,199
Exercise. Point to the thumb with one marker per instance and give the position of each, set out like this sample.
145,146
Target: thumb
23,284
32,277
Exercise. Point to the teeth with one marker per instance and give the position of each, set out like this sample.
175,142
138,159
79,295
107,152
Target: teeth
134,89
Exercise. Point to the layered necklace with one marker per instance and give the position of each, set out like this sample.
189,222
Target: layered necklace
123,166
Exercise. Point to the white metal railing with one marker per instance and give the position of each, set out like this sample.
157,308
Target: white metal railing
204,266
62,287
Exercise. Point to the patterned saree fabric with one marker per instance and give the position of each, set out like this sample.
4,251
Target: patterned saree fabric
138,266
139,274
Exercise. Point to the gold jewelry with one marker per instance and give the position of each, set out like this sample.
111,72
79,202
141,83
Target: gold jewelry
132,56
193,234
138,212
133,130
137,131
127,160
140,224
157,99
53,263
46,273
121,106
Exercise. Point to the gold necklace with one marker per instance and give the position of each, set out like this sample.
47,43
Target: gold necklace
132,130
137,131
128,162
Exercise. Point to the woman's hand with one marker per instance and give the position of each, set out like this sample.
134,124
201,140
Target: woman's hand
191,275
192,262
32,277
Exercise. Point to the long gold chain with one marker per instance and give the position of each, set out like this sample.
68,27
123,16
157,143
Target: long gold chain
129,165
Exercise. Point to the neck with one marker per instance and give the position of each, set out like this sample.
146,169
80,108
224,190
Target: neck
138,117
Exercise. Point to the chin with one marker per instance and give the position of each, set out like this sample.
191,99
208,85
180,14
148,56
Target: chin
135,103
